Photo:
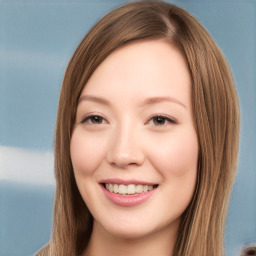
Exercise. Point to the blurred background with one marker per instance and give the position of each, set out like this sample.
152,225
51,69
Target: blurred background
37,38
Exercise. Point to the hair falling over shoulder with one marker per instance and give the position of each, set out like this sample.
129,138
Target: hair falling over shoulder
216,117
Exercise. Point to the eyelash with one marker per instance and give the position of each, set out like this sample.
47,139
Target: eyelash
163,118
89,119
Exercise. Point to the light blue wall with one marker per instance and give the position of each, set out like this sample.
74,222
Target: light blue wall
37,39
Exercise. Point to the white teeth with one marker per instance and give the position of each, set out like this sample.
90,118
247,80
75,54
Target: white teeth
145,188
110,187
115,188
139,188
130,189
122,189
150,187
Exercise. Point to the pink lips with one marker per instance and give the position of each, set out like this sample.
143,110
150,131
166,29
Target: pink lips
127,200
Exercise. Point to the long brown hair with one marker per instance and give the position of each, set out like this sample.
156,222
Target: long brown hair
216,116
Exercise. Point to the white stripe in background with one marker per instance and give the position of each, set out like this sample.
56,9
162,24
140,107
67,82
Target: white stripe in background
27,166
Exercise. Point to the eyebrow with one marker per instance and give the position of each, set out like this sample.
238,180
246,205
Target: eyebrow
154,100
148,101
94,99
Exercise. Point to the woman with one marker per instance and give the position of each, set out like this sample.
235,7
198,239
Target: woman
146,139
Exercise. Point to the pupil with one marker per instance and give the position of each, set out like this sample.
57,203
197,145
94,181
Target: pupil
97,119
159,120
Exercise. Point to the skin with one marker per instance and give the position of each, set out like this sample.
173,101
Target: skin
126,141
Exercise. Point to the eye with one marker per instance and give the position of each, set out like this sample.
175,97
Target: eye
162,120
93,119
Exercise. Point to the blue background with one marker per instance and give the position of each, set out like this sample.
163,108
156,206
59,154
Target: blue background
37,39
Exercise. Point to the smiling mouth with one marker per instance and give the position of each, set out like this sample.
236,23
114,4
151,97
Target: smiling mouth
128,190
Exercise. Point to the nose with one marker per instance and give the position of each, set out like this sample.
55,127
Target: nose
125,148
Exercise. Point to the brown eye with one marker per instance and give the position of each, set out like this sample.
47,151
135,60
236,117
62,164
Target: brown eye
93,119
161,120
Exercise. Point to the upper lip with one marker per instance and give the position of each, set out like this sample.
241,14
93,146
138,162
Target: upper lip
126,182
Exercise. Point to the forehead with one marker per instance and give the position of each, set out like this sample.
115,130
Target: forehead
142,69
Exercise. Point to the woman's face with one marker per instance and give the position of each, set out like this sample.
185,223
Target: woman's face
134,148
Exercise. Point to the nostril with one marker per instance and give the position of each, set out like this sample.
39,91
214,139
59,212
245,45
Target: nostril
251,251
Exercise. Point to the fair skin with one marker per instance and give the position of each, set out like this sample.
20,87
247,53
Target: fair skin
134,127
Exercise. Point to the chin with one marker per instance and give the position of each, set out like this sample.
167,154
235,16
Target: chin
138,229
129,233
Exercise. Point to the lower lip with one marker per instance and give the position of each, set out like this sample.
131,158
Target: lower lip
128,200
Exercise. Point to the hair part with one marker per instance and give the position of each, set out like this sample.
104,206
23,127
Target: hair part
216,117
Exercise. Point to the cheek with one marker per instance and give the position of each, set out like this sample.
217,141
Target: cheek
177,162
178,155
85,153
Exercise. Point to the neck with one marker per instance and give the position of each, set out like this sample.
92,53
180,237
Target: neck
158,243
